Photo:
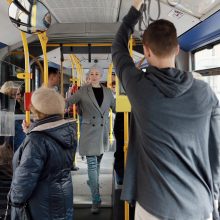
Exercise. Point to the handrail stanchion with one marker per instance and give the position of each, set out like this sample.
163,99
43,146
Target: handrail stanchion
109,85
75,62
27,77
126,131
43,40
109,78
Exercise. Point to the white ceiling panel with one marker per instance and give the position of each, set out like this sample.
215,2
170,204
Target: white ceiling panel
197,8
182,23
103,60
84,11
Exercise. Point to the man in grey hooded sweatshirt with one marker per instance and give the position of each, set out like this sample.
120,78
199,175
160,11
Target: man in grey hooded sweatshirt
173,165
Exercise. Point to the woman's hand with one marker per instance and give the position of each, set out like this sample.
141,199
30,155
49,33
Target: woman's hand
137,4
25,126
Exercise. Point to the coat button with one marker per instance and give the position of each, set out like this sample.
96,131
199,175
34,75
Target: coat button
101,116
93,125
93,117
101,124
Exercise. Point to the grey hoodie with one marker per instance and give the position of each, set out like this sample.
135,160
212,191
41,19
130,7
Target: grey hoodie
174,144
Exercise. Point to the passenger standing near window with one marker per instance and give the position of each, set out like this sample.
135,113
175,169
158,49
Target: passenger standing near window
173,167
41,165
53,78
7,107
95,101
19,109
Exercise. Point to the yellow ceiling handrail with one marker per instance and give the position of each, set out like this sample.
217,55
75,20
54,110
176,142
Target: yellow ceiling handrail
80,45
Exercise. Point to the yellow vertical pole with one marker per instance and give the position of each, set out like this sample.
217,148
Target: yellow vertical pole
109,78
61,79
130,46
74,111
111,127
109,85
126,131
73,77
27,70
43,40
74,61
74,106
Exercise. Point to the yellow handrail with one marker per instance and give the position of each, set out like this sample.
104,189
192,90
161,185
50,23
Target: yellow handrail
109,78
27,72
130,46
26,76
126,131
109,85
43,40
72,79
79,71
81,45
61,78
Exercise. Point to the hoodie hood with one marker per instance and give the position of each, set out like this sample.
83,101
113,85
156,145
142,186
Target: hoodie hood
170,81
63,131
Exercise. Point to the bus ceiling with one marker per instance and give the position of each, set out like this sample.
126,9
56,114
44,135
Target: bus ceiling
90,20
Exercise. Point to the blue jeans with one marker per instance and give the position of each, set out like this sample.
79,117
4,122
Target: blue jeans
93,163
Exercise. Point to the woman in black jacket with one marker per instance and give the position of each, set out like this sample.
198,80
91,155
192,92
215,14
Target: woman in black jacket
41,165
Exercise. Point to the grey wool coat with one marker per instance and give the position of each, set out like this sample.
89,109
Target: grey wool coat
94,126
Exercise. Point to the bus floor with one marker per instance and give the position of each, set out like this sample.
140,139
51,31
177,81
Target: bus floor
84,213
82,195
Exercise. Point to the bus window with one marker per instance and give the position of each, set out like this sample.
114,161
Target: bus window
207,61
207,58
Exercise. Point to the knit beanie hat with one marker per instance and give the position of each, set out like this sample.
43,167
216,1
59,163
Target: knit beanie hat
48,101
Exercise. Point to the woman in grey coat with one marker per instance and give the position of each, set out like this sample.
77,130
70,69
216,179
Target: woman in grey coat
95,101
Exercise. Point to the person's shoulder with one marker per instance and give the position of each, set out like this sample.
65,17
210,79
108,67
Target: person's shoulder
84,87
205,89
33,143
107,89
200,83
34,137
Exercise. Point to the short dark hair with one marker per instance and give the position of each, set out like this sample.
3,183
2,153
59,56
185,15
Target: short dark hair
52,70
161,37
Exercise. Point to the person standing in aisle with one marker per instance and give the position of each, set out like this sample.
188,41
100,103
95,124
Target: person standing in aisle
173,166
42,182
95,101
53,78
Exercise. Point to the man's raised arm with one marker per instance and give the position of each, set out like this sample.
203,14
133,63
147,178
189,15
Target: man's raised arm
120,53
